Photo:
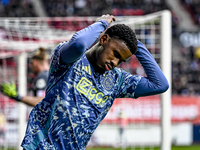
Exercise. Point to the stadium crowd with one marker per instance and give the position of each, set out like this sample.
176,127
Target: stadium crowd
24,8
16,8
96,8
193,7
185,74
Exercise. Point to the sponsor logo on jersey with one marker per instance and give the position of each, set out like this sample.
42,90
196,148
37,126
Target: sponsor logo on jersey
88,89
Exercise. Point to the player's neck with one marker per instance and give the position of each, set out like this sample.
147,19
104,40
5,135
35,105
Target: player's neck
43,67
90,56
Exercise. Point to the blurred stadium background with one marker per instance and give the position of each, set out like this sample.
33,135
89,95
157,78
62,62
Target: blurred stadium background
26,25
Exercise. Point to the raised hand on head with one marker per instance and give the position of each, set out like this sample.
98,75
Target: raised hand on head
108,18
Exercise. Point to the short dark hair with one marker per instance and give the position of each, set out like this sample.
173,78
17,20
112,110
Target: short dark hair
124,33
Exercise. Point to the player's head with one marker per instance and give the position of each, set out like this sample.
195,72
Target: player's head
39,60
117,45
125,34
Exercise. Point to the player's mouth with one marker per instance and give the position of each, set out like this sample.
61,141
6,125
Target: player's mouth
108,67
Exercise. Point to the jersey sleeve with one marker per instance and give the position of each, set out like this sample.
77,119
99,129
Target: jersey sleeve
135,86
81,41
155,82
127,84
70,51
40,85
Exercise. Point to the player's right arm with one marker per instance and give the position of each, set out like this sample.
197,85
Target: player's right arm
83,39
31,100
9,89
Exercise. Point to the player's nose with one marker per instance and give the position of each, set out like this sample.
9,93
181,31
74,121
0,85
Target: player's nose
115,62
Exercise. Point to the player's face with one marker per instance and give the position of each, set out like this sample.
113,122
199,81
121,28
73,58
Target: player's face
112,53
35,66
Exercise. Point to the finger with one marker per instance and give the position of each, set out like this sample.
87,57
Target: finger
113,18
6,91
13,84
14,93
5,86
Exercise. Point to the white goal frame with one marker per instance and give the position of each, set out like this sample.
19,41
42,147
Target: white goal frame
166,59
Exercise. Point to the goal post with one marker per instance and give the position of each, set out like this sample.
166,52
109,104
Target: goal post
21,36
166,59
22,90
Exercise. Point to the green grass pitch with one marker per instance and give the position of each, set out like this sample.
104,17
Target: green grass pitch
192,147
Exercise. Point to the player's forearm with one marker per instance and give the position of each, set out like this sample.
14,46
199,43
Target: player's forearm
31,101
81,41
156,81
88,36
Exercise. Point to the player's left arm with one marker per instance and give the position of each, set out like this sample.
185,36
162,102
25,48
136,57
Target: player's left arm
155,82
84,39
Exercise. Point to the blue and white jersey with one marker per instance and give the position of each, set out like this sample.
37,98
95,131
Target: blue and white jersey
75,105
78,98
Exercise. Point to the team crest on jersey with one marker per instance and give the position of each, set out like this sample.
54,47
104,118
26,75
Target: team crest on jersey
107,83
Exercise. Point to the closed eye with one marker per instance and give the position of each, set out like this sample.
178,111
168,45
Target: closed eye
117,55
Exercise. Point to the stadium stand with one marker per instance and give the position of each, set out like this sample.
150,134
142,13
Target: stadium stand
61,8
96,8
17,8
193,8
185,74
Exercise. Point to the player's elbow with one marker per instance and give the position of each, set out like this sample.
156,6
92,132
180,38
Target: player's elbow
78,44
78,49
164,87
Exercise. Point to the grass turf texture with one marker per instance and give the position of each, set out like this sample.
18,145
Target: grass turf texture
192,147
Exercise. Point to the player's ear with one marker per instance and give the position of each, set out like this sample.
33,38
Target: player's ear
104,39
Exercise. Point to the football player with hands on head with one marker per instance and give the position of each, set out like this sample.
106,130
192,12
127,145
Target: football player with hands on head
40,69
83,83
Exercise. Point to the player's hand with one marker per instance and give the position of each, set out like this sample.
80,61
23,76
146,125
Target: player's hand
9,89
108,18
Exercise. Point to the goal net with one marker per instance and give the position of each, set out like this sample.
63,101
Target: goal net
130,123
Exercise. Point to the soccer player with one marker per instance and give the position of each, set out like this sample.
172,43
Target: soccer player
40,67
84,82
